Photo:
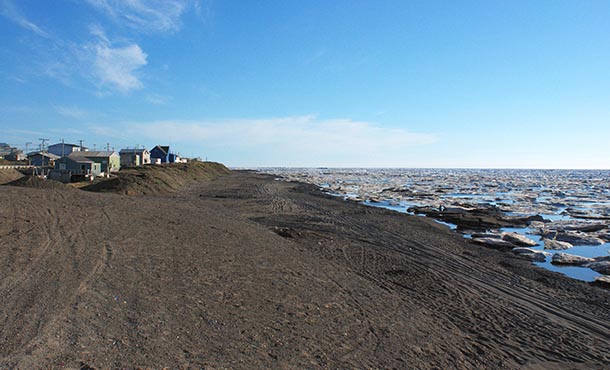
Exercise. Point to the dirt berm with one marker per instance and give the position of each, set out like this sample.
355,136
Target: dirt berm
8,174
158,179
245,272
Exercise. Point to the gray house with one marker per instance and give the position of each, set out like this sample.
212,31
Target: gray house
134,157
78,166
42,159
109,160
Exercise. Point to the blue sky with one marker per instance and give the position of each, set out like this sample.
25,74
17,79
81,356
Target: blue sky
517,84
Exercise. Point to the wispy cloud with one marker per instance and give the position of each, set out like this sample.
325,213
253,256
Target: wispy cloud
298,140
116,67
71,112
17,79
145,15
16,108
157,99
10,11
316,56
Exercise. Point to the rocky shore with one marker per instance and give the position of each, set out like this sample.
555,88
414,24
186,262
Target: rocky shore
243,271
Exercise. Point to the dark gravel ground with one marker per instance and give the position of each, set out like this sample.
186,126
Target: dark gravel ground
248,272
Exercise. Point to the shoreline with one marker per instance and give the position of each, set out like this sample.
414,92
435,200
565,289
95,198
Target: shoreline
490,210
244,271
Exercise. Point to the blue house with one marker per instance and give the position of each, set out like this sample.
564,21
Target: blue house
163,154
64,149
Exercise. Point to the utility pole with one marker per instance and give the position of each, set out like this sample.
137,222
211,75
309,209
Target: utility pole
107,147
63,151
26,150
81,144
94,147
42,141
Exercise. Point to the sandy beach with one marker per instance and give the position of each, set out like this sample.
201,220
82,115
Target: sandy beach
242,271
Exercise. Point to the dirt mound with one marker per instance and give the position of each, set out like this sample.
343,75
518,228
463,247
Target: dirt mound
38,183
158,179
9,175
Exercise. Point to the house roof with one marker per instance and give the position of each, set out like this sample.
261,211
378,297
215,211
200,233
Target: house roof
132,151
89,154
79,160
164,148
44,154
66,144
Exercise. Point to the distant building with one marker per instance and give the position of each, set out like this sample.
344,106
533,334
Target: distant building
15,155
134,157
78,166
163,154
64,149
5,149
42,159
109,160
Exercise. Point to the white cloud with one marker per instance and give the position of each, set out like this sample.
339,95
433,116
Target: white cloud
9,10
145,15
300,140
116,67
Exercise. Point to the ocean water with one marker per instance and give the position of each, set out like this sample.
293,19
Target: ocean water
557,195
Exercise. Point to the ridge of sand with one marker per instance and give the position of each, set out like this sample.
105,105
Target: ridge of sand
158,179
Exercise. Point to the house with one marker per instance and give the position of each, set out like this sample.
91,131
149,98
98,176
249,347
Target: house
78,166
64,149
42,159
109,160
15,155
134,157
163,154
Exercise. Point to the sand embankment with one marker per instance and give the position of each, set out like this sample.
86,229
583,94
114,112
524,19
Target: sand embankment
247,272
8,175
159,179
